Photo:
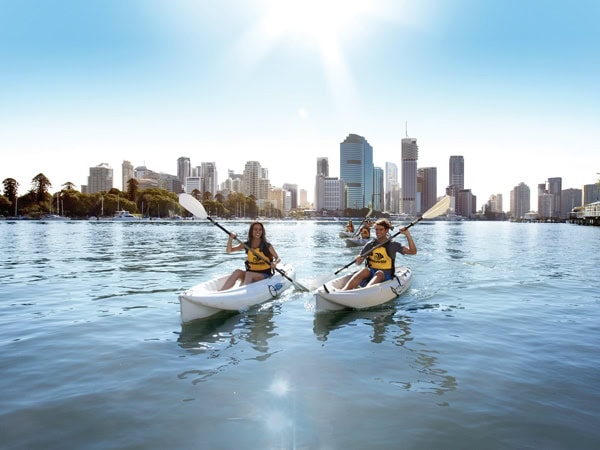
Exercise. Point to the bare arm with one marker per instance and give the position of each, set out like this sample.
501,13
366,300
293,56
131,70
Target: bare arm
230,247
412,248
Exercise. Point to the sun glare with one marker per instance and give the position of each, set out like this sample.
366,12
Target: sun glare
313,22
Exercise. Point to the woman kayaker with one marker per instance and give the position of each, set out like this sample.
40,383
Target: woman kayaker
261,258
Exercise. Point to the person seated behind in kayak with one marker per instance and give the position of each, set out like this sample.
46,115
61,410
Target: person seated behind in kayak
365,231
350,227
380,262
261,258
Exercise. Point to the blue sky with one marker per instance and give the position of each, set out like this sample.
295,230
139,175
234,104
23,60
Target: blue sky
513,86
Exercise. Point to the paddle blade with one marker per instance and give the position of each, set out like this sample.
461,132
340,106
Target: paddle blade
438,209
193,206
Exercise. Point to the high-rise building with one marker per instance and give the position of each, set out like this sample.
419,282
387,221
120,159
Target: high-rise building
183,169
330,194
356,170
126,174
252,174
293,190
520,201
456,175
391,187
428,176
410,156
100,179
570,198
208,177
555,190
378,192
323,166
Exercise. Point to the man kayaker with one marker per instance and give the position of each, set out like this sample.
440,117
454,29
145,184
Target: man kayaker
380,260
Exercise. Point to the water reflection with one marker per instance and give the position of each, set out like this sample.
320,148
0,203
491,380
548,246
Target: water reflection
221,339
328,321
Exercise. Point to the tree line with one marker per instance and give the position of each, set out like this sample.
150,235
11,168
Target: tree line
149,202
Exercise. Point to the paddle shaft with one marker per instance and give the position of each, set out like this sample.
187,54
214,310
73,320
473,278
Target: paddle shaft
258,255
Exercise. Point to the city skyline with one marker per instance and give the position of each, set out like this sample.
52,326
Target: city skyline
84,84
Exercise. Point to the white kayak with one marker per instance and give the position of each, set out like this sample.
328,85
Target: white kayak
329,297
346,234
356,242
205,299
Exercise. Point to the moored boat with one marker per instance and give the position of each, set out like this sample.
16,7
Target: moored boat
205,299
330,297
124,216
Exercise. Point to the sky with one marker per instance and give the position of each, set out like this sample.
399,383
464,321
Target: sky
511,85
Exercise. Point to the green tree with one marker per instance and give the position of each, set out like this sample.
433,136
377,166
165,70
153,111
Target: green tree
40,186
68,186
5,206
11,187
132,189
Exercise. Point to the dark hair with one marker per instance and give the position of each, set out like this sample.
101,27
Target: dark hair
384,223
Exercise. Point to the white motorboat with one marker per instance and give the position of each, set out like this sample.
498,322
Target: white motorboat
330,297
124,216
205,299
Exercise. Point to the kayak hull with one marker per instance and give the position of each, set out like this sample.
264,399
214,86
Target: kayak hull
205,299
361,298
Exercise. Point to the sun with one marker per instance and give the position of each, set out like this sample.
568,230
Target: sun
322,23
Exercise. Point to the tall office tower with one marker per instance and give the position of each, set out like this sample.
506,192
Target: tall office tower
457,172
293,189
356,169
429,187
100,179
184,169
252,173
391,183
590,193
570,198
495,203
329,194
323,166
543,206
208,177
555,190
127,174
378,192
410,155
303,198
520,203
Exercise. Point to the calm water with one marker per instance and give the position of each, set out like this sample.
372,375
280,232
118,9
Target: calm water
496,344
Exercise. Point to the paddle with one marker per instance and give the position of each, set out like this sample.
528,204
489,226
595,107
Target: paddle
197,209
357,231
438,209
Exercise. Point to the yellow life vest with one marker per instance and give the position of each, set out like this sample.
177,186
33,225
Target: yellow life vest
255,263
380,260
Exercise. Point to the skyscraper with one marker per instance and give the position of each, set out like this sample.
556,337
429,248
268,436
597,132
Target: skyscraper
183,169
429,187
391,188
126,174
520,202
100,179
323,166
456,174
410,156
209,178
378,192
356,170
